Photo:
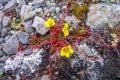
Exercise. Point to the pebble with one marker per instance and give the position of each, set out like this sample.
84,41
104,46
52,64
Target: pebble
27,12
11,45
10,5
27,26
2,53
72,19
21,3
1,40
27,51
85,49
4,31
6,20
39,25
23,37
37,2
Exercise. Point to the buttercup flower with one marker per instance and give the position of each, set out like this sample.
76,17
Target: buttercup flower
65,30
50,22
66,51
66,25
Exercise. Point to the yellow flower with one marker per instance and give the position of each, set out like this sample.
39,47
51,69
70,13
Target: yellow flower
66,25
50,22
65,30
66,51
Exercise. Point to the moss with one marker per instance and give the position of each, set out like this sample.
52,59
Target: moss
78,11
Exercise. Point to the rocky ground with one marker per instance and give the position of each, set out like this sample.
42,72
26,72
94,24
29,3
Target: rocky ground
21,19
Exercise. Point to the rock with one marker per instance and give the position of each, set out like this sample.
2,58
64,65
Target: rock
72,19
21,2
1,53
11,45
85,49
102,13
6,20
10,5
27,12
27,26
24,65
57,9
45,77
4,31
37,2
1,15
23,37
52,9
27,51
39,25
1,40
78,66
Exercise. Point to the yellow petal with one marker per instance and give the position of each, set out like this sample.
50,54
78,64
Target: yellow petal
62,53
47,24
67,55
65,31
66,25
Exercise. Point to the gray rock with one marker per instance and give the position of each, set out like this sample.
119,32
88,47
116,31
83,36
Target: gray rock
37,2
2,53
10,5
27,51
52,9
27,26
6,20
72,19
26,64
27,12
1,40
1,15
39,25
57,9
21,2
4,31
11,45
102,13
84,48
23,37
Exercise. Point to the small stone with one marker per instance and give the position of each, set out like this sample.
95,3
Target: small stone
57,9
23,37
6,20
27,26
1,40
37,1
39,25
1,15
2,53
11,45
45,77
21,2
10,5
4,31
27,12
72,19
85,49
27,51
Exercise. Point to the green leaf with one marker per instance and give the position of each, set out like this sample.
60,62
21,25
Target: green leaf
113,35
1,72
